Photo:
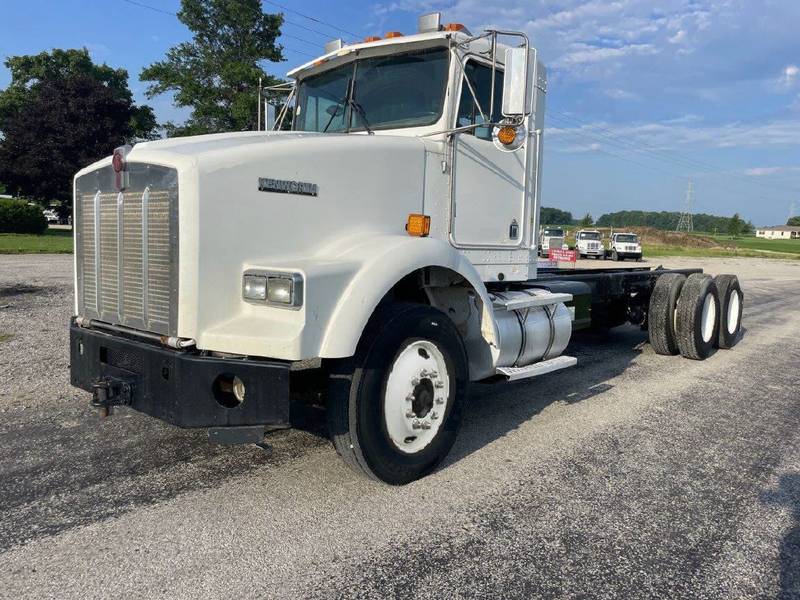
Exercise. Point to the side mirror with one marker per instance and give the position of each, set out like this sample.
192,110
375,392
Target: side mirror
516,83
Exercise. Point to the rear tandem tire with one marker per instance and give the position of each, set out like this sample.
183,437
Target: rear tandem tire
731,300
370,426
661,313
697,317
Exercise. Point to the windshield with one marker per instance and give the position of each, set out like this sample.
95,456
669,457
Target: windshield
385,92
588,235
554,232
627,238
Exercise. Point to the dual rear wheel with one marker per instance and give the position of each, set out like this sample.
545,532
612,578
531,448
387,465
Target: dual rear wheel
693,315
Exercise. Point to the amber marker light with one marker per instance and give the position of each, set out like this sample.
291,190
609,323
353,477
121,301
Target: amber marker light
454,27
372,38
393,34
418,225
507,135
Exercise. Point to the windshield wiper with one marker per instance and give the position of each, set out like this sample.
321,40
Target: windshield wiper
361,113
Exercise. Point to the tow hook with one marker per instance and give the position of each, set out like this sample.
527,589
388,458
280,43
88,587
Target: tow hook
108,393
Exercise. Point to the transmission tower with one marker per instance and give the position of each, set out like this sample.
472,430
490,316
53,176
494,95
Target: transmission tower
685,223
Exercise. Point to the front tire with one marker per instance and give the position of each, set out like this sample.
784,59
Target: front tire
614,256
395,408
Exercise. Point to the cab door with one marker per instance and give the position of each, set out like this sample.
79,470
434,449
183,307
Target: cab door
488,183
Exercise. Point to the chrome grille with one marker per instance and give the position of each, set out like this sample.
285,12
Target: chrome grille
127,249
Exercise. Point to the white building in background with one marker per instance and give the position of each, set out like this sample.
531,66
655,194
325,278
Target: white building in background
781,232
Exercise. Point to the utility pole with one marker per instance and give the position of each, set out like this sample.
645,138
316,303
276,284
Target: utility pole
685,223
259,104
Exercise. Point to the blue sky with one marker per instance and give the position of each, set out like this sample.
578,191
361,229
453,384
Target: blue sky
642,96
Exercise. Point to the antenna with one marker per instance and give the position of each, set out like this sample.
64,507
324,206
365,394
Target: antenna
685,223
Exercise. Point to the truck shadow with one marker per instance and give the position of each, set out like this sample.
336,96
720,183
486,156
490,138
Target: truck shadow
788,494
496,410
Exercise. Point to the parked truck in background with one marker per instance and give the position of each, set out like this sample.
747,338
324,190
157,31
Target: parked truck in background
589,243
625,245
375,259
551,237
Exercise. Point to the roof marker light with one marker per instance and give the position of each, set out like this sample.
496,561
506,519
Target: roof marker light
393,34
372,38
455,27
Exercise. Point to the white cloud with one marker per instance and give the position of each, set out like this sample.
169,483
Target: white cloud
763,171
678,38
789,76
584,53
620,94
674,134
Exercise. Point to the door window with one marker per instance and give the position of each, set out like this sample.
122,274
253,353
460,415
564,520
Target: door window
480,76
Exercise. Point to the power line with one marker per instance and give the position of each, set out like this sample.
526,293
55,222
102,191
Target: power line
166,12
286,35
310,18
619,144
682,160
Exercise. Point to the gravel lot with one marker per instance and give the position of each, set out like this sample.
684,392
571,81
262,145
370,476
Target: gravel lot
631,475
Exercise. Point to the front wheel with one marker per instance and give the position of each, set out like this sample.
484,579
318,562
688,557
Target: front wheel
395,408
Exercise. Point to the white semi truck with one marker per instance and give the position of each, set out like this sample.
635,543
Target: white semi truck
381,253
551,237
625,245
590,243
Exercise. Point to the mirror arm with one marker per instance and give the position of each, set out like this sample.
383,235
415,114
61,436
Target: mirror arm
469,85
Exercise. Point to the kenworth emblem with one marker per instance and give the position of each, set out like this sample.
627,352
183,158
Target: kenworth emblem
282,186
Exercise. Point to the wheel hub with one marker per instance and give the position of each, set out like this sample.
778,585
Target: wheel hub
417,392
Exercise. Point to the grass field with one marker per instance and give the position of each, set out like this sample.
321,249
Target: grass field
53,241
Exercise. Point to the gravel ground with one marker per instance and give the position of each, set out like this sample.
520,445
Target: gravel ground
631,475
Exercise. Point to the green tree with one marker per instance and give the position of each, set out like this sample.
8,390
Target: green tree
586,221
67,124
554,216
793,221
216,74
30,72
735,225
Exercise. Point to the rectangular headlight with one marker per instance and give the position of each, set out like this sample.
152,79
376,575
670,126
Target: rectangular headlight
273,288
254,287
280,290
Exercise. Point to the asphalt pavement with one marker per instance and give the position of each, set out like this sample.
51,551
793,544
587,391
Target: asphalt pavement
630,475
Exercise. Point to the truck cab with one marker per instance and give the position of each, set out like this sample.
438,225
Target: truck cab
589,242
551,237
374,253
625,245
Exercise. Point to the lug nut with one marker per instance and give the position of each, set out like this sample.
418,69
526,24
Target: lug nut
410,398
440,401
426,425
423,373
415,382
434,416
439,384
416,425
433,374
410,415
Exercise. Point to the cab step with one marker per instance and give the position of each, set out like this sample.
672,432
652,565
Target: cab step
536,369
527,299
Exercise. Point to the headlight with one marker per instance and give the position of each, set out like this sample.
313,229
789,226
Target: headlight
273,288
254,287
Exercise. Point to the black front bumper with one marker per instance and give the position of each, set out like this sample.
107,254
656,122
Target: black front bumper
179,387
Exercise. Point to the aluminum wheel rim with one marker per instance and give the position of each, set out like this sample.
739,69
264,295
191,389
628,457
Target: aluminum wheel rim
417,396
708,318
734,309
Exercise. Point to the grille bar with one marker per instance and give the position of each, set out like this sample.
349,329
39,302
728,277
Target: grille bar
127,249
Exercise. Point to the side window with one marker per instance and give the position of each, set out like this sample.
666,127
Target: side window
480,76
